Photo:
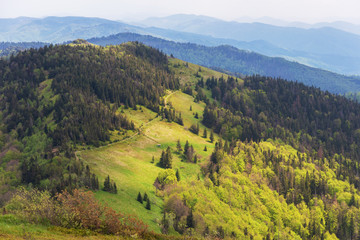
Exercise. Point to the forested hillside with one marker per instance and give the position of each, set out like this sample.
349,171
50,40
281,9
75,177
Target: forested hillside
191,152
8,48
58,97
233,60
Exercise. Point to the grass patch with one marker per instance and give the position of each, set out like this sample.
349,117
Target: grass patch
128,162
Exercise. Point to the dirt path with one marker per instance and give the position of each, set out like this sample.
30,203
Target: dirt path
140,130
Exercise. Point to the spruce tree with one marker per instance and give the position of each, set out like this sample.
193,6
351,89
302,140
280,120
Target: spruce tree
212,136
148,205
145,198
168,158
186,147
107,185
178,146
178,175
205,133
190,223
139,198
114,190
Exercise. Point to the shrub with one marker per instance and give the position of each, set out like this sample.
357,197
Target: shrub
78,209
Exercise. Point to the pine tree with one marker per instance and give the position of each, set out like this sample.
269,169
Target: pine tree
190,223
196,115
178,175
190,108
195,158
107,185
139,198
212,136
153,159
178,146
168,163
114,190
205,149
148,205
145,198
205,133
186,147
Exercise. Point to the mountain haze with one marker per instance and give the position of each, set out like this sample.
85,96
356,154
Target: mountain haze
324,47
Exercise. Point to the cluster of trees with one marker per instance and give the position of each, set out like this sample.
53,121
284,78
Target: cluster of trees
9,48
305,117
171,115
109,186
166,158
144,198
67,95
296,194
189,153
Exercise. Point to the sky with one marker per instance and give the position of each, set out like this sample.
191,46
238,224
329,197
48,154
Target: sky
309,11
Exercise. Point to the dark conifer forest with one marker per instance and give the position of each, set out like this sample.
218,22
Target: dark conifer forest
59,96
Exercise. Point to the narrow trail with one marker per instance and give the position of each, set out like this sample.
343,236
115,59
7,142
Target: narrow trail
141,130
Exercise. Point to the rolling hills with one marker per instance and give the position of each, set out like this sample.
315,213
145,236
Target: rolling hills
248,158
242,62
327,48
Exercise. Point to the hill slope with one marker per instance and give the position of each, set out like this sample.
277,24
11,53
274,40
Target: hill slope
238,61
217,156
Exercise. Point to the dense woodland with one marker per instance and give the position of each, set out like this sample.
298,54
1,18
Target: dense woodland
8,48
59,96
285,166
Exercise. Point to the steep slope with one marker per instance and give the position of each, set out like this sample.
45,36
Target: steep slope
242,62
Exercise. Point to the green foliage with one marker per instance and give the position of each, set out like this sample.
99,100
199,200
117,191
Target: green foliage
166,177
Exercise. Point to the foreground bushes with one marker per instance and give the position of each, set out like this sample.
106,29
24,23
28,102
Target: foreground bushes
78,209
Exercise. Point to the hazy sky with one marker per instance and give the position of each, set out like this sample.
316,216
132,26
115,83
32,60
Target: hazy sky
294,10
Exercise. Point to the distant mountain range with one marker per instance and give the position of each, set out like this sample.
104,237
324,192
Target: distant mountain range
237,61
326,48
323,47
